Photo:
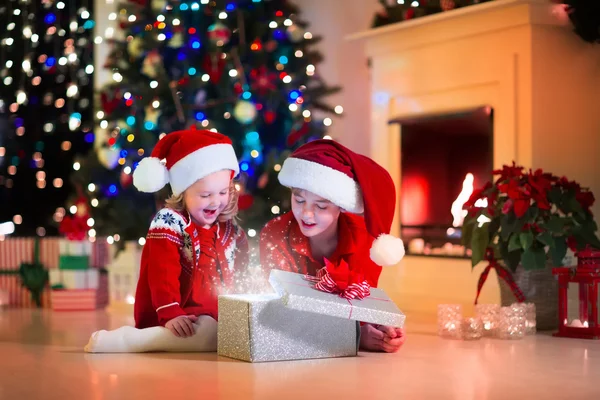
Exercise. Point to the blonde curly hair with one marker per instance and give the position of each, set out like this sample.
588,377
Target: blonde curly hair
229,213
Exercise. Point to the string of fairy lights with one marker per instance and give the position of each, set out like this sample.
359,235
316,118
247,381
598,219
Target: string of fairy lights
116,139
46,102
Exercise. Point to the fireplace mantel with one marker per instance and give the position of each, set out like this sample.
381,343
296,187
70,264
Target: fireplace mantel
519,57
456,24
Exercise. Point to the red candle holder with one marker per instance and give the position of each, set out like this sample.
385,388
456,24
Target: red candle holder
585,278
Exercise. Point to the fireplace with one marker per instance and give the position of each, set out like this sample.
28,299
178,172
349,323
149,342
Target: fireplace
539,78
442,158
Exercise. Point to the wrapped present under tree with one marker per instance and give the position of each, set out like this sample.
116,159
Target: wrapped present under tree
18,251
34,276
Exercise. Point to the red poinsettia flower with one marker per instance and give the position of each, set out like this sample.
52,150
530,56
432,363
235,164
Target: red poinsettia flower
540,198
516,190
568,185
512,189
476,195
520,196
540,181
508,172
539,184
586,199
521,207
480,194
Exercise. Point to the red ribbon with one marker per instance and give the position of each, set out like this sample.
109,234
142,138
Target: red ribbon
325,283
502,273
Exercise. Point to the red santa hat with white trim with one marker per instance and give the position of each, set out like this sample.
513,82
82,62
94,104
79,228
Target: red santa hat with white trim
183,157
355,183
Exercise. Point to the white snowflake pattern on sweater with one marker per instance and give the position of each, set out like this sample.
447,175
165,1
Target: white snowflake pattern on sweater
170,225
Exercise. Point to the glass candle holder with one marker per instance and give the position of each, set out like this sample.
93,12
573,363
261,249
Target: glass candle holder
511,322
449,320
530,320
472,328
488,314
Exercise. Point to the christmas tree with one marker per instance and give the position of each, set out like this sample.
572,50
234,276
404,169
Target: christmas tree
46,112
244,68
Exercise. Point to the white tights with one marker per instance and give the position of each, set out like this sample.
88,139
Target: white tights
128,339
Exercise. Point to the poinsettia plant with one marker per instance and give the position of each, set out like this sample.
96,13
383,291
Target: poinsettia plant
527,218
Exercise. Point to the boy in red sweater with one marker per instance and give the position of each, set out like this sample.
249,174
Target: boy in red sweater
193,249
330,186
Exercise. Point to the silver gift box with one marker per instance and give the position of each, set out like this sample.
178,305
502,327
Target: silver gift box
259,328
299,294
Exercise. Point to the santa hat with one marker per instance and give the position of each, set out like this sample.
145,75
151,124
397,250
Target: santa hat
353,182
189,155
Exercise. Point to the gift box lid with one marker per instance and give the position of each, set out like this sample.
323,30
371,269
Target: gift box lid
300,294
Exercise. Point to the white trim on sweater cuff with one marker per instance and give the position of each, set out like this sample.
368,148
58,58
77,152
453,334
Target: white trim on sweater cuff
168,305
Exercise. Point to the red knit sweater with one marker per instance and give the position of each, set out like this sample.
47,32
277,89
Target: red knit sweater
183,268
283,246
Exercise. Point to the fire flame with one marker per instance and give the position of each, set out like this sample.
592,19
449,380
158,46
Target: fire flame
458,214
457,211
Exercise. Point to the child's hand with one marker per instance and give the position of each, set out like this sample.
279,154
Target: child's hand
381,338
182,326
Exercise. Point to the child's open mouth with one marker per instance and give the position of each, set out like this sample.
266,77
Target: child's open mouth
308,225
209,213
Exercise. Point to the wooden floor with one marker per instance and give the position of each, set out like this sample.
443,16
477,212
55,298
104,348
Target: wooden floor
41,357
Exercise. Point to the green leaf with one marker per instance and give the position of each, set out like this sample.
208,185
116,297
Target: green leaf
555,224
494,226
590,238
575,206
533,259
511,258
546,238
479,243
558,250
507,226
526,239
533,212
514,243
520,223
469,225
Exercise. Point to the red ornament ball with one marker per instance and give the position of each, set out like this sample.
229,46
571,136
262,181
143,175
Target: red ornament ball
269,117
238,89
219,34
126,180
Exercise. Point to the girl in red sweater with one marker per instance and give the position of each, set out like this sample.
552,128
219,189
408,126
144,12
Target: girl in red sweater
193,249
331,185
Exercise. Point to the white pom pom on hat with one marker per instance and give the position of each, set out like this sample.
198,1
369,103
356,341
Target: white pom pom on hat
188,156
151,175
387,250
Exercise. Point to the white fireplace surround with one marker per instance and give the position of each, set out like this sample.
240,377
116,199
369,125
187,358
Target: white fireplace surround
520,57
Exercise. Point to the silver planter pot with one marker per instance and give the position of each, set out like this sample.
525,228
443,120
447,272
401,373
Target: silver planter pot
539,287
